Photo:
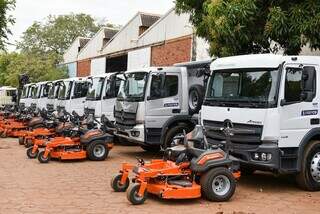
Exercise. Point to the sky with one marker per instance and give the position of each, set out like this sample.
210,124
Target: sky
116,12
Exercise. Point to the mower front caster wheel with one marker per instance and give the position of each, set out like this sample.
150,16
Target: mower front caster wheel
133,197
218,184
30,154
116,186
21,140
43,159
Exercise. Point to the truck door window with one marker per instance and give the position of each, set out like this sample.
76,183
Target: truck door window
168,88
80,90
293,85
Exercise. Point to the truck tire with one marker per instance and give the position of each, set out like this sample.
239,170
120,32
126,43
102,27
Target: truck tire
97,151
173,132
309,177
196,95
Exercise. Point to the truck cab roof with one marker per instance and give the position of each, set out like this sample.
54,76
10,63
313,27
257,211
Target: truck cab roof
259,61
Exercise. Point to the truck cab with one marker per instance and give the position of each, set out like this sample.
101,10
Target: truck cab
8,96
276,99
44,88
72,95
154,104
102,93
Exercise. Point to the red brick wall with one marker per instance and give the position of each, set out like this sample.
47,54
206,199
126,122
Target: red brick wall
174,51
83,68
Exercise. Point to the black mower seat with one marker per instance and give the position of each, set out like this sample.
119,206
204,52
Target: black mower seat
182,183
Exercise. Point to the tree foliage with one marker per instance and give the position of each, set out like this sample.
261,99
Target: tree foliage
57,33
37,67
5,21
255,26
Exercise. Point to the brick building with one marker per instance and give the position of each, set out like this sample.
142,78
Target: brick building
146,40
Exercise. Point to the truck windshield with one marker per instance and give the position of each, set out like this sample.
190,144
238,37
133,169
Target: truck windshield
34,92
255,88
64,90
95,89
25,92
51,92
133,88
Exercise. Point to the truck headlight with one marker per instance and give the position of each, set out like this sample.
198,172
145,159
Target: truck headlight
135,133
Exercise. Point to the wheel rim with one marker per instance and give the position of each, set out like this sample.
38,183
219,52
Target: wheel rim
99,150
315,167
193,100
136,196
221,185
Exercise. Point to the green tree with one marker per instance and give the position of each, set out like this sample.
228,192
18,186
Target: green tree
57,33
5,21
235,27
38,67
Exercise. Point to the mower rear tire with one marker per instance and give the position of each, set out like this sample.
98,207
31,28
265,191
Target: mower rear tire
21,140
116,186
42,159
133,197
218,184
97,151
30,154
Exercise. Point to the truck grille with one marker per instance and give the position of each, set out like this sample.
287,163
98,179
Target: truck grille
252,138
50,107
125,120
89,111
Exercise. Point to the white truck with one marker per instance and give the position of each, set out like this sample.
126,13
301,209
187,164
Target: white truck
154,105
72,94
102,93
25,100
8,96
53,93
277,100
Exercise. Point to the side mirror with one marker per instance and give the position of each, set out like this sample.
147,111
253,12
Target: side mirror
308,83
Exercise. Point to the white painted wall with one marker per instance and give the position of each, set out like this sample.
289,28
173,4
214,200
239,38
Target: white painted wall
140,58
126,38
98,66
93,47
202,50
72,53
170,26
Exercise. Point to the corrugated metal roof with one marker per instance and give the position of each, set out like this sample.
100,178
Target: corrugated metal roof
83,42
109,33
148,20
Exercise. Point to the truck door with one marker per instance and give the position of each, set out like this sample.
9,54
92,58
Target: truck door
299,110
163,99
78,97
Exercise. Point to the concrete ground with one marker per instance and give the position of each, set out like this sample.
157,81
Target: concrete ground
26,186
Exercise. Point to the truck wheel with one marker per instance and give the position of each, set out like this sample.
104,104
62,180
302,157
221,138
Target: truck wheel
172,133
116,186
309,176
196,94
42,159
97,151
30,154
218,184
154,148
21,140
133,197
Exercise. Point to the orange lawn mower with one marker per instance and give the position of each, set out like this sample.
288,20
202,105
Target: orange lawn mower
82,143
187,171
41,129
15,126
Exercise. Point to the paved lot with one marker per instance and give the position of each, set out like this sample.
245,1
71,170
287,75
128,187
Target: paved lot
83,187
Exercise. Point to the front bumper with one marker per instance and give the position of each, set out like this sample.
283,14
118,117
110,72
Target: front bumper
128,134
246,154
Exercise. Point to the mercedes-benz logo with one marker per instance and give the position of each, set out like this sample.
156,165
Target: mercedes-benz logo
227,124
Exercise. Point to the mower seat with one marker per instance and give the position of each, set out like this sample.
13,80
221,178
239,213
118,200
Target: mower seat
183,183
